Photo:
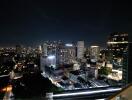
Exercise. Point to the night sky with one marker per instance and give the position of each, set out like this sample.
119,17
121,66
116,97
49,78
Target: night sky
31,22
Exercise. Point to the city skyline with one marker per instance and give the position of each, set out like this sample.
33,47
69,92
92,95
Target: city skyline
27,22
53,49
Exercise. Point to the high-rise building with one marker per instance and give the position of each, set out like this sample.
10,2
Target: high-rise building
42,63
43,56
117,54
44,49
67,54
52,47
80,49
49,55
117,43
94,52
51,61
39,49
127,65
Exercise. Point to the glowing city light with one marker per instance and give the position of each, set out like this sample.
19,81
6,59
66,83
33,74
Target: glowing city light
7,89
117,42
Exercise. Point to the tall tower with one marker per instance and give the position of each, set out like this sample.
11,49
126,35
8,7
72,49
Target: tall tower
67,54
117,44
40,49
43,57
80,49
94,52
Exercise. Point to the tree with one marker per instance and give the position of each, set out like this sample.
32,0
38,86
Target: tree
105,71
